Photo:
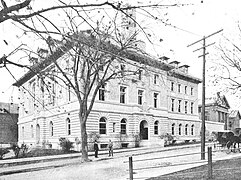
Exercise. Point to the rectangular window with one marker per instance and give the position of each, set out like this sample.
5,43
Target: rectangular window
172,86
122,94
179,88
140,75
155,95
185,107
102,93
155,78
172,104
185,89
179,105
191,107
140,97
69,93
191,91
122,68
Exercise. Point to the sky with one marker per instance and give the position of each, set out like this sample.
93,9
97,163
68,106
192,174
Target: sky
189,24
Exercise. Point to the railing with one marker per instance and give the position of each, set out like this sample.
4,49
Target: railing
209,162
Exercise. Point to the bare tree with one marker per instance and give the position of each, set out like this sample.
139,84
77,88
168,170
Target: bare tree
226,67
84,60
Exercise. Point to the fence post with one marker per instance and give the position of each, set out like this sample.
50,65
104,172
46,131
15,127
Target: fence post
130,168
210,166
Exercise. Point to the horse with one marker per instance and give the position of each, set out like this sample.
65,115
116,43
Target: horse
228,139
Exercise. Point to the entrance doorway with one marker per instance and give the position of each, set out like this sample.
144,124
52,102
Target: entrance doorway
144,130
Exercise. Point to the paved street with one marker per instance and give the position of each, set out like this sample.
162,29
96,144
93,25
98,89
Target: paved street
104,168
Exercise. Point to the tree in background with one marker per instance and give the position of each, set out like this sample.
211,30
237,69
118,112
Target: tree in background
226,65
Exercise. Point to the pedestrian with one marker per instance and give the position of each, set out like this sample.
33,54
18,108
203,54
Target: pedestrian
110,145
96,148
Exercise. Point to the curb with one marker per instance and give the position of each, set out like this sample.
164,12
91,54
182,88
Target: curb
57,157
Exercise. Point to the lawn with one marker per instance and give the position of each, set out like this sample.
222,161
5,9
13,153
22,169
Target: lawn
224,169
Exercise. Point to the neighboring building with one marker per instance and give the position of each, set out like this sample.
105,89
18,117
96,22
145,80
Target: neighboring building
233,120
8,123
216,112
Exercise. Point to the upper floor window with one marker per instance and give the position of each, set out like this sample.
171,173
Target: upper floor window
69,93
122,68
102,125
123,126
51,128
68,123
191,107
191,91
180,129
172,86
140,97
156,127
185,107
155,95
192,129
122,94
185,89
172,104
102,92
186,129
173,129
179,88
179,105
155,79
140,72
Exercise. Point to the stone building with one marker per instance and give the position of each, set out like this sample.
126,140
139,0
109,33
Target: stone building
161,98
8,123
234,118
216,112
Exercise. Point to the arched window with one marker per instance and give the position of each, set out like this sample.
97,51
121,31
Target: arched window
186,129
156,127
123,126
180,129
102,125
51,128
32,135
192,129
68,125
173,129
23,132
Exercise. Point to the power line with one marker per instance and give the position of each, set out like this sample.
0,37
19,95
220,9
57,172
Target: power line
203,87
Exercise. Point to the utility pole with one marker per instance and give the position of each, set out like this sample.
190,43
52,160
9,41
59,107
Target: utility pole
203,87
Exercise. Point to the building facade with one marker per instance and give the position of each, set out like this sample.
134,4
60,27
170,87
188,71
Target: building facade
8,123
216,113
233,120
157,100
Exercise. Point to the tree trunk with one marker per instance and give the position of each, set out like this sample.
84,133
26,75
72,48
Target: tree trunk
84,143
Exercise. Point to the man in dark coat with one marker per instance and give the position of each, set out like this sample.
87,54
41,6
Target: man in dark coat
96,148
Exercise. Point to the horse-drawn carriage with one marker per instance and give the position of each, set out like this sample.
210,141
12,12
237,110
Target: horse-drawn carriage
228,139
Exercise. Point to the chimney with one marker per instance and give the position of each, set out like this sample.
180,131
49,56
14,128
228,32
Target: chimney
164,58
184,68
174,63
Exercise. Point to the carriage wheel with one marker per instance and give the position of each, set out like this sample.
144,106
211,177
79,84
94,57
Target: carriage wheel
228,147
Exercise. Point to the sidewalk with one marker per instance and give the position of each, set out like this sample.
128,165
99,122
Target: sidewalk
12,166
